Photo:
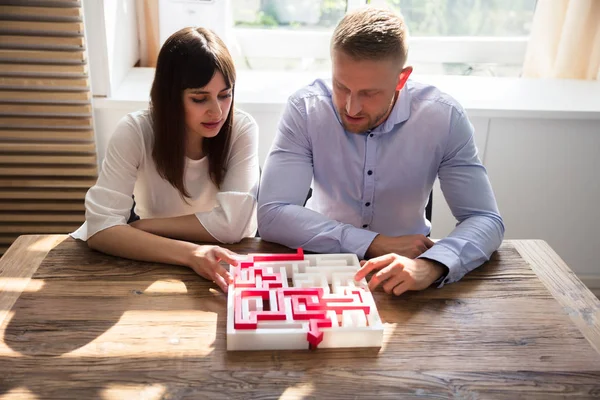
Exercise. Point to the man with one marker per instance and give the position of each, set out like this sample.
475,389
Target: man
373,143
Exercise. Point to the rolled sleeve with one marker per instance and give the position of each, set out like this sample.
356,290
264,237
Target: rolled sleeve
108,203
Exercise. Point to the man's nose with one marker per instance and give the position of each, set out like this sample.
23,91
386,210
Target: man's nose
353,106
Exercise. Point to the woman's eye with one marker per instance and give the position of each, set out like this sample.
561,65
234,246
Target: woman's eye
225,96
198,100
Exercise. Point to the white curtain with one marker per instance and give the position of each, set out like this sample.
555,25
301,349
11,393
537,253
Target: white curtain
565,40
147,18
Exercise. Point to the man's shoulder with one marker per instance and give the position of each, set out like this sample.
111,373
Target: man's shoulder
318,91
426,94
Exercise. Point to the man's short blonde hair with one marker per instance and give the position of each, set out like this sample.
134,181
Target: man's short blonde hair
371,33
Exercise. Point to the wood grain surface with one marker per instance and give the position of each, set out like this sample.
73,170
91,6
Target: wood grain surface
80,324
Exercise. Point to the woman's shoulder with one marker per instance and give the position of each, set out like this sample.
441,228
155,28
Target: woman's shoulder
243,124
133,132
135,126
141,122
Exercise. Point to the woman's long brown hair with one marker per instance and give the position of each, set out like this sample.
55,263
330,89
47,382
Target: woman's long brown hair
188,60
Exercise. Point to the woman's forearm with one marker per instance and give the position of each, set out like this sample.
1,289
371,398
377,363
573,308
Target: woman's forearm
186,227
128,242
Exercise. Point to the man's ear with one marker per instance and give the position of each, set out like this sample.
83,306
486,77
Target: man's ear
403,77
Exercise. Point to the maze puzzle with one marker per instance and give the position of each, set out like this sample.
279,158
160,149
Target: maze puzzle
297,301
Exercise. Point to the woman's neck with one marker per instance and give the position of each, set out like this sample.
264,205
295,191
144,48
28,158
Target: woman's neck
193,147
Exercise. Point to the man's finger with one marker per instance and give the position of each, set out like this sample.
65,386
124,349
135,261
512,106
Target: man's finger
383,275
374,263
362,262
428,242
224,255
394,281
401,288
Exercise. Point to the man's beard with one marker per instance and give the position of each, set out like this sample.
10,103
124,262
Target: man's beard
369,124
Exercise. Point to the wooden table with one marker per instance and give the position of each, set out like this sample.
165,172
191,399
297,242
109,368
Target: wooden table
75,323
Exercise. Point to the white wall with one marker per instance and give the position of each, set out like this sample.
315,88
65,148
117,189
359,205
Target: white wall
546,177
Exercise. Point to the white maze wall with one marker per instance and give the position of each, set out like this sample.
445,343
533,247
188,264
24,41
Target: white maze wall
297,301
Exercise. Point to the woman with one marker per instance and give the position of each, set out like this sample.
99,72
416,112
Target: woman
190,161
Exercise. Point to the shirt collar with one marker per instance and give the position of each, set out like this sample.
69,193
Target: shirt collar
400,111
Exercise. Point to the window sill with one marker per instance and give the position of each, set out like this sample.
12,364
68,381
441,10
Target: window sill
266,91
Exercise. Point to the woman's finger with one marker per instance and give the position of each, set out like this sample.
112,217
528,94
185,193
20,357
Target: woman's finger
220,281
225,255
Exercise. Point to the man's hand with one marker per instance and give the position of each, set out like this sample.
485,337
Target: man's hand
397,274
410,246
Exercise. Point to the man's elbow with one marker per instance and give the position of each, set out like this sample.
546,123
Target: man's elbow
265,223
500,223
495,226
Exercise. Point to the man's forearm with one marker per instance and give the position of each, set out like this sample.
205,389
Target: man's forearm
296,226
468,246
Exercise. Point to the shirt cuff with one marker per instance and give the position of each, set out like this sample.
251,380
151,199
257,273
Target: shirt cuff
357,241
450,259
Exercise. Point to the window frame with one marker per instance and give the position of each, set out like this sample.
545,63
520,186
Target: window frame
307,43
284,43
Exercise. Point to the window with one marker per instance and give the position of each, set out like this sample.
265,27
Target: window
489,35
288,14
269,31
464,37
459,37
465,17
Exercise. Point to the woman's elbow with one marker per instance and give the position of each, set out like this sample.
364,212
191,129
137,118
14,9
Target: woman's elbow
235,235
97,240
92,242
231,238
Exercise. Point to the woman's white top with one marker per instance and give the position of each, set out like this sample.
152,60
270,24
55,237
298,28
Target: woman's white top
128,168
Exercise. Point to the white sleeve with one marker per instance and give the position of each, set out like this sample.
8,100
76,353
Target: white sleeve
108,203
234,215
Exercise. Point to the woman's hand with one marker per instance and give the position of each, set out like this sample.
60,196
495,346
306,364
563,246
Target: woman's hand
204,259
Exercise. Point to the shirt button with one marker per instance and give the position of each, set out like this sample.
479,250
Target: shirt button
369,172
371,135
365,225
367,204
